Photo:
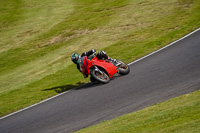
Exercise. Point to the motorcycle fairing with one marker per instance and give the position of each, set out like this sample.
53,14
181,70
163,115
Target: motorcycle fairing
86,64
108,66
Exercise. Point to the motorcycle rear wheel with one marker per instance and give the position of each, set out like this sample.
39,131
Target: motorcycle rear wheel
123,67
100,76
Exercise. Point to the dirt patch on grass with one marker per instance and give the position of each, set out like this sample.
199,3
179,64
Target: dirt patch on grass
63,38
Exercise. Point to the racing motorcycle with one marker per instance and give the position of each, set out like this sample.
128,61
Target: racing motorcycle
103,70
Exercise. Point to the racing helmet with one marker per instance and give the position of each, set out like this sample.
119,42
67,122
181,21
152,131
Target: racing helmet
75,58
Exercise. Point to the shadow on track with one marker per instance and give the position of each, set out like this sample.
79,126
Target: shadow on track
88,85
63,88
77,86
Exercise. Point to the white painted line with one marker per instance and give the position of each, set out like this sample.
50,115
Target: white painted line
84,84
164,47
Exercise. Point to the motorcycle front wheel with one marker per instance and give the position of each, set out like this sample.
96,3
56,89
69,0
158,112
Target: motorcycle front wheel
100,76
123,67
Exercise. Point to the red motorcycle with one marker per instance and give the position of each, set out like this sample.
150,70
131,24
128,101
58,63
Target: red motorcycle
103,70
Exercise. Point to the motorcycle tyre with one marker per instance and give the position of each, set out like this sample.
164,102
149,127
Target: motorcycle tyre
123,71
94,77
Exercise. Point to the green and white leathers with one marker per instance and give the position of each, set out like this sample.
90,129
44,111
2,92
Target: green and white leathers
75,58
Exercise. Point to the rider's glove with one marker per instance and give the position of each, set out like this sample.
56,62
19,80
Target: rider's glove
94,51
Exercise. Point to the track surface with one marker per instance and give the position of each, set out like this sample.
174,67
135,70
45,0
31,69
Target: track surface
169,73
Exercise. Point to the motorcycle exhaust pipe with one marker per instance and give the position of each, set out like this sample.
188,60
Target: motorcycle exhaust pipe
97,69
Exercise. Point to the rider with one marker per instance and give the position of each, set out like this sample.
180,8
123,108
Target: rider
76,57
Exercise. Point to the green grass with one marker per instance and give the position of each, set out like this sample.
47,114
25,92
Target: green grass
178,115
37,39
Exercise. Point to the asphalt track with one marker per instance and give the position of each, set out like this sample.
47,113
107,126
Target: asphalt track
168,73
